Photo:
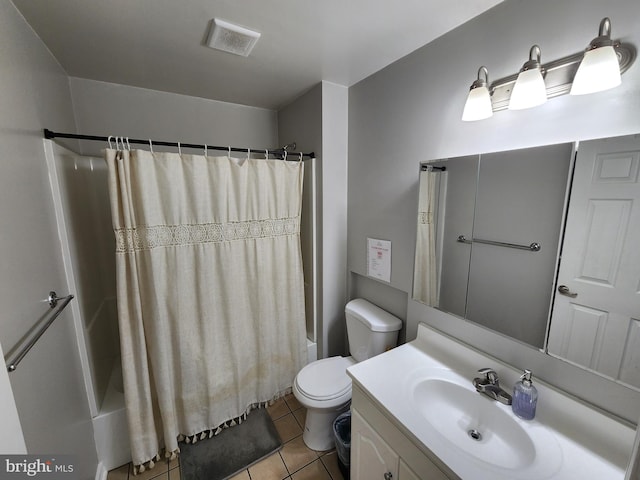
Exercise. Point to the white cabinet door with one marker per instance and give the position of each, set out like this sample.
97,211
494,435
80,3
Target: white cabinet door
425,471
596,322
405,473
371,457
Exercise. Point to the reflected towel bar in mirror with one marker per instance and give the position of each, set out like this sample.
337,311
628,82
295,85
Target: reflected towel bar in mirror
534,247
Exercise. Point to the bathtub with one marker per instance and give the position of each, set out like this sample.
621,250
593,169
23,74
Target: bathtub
110,428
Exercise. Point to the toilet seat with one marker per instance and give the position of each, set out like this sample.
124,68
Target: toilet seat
325,382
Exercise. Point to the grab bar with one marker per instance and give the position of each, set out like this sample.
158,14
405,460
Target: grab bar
53,302
534,247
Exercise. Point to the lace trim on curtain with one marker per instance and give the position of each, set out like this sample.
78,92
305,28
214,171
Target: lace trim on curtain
425,218
209,433
130,240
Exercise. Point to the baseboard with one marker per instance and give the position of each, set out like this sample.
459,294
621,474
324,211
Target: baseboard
101,472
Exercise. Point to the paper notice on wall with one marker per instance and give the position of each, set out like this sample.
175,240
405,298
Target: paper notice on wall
379,259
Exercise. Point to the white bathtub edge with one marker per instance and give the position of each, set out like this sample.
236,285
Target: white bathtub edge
312,351
101,472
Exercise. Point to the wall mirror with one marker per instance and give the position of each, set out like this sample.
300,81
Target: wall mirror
539,244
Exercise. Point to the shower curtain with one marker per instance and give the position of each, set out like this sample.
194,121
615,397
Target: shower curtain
425,280
210,291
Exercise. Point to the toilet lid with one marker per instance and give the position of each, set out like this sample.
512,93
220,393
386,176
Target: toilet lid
325,379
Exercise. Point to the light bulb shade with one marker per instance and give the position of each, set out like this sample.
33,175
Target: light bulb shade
528,91
598,71
478,105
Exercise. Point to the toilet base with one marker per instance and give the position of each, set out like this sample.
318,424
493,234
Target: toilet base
318,427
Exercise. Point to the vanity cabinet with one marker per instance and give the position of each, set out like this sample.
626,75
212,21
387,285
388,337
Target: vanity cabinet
381,451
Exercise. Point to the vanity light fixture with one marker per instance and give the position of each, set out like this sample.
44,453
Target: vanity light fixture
559,77
478,105
529,89
599,69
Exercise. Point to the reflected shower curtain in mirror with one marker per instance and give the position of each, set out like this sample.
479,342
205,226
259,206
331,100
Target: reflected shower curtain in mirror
210,291
425,277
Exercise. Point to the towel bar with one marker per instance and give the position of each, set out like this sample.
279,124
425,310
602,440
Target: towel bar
534,247
53,303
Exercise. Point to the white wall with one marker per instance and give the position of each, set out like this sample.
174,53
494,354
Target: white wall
410,111
47,386
110,109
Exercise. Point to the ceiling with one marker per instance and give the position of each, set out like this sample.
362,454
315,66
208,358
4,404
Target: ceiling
160,44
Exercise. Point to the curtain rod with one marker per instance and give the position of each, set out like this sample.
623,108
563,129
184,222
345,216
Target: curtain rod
48,134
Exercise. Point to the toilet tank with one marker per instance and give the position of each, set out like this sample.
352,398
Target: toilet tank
371,330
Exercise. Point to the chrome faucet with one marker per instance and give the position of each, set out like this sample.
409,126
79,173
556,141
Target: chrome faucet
490,386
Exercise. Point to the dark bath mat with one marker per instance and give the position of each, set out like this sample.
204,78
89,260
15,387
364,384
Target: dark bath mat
231,451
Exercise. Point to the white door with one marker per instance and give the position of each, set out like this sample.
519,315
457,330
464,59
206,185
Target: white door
596,316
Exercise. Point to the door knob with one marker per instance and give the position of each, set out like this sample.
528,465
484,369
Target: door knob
564,290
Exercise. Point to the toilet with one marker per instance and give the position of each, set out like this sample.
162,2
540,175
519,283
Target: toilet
324,387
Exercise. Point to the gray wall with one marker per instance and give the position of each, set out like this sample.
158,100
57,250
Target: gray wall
317,121
301,122
48,386
334,217
410,112
110,109
462,180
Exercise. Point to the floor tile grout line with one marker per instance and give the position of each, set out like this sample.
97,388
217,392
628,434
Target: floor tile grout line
304,466
286,467
330,474
325,468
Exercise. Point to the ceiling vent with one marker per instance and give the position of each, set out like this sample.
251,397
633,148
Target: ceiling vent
231,38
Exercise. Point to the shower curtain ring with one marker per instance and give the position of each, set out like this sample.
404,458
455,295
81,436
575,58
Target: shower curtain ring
266,154
229,152
179,149
109,140
128,144
300,156
150,146
205,149
248,153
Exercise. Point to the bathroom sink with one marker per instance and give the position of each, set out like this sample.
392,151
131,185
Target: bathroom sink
474,425
425,388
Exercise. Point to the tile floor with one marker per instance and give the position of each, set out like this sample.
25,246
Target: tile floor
293,462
